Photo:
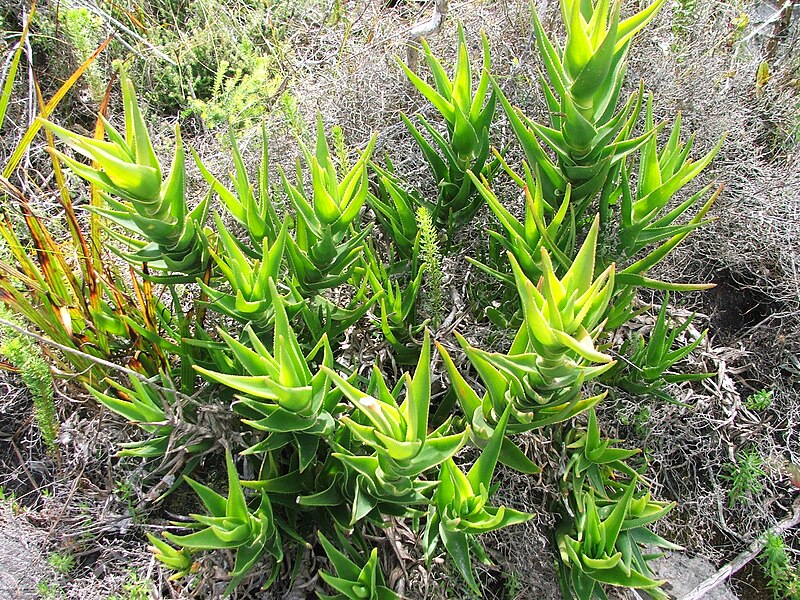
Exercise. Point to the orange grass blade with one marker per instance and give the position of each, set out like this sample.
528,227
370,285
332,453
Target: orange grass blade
77,235
95,200
130,15
24,261
57,273
12,70
19,152
147,309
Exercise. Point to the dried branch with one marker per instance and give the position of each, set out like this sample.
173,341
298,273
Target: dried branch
752,551
424,29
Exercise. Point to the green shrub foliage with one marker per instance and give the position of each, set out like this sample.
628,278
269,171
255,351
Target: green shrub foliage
24,356
322,451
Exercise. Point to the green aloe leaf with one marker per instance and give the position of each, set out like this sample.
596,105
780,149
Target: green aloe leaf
457,545
200,540
345,568
236,507
444,106
417,404
480,474
613,524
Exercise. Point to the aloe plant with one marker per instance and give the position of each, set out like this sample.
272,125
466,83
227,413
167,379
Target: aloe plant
354,581
153,408
325,247
605,543
594,462
252,533
648,363
91,310
281,395
592,144
526,240
249,204
41,287
249,300
466,148
179,561
130,177
554,352
335,457
397,305
397,435
585,80
661,173
460,510
395,207
603,536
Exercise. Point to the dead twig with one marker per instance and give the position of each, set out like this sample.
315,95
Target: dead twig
23,464
752,551
424,29
779,29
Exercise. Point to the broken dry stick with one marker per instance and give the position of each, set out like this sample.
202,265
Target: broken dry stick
425,29
752,551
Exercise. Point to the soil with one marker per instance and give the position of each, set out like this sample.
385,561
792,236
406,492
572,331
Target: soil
750,583
22,562
735,305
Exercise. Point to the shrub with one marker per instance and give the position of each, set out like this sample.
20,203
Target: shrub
334,454
745,476
784,578
760,400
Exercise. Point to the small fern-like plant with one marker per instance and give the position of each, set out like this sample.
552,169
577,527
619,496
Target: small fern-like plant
783,574
23,356
745,476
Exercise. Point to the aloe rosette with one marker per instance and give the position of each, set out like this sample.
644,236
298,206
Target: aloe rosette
585,77
603,537
460,508
325,246
526,239
649,220
280,394
178,560
606,543
249,203
645,218
466,148
129,176
354,581
395,209
594,461
230,524
554,352
397,436
249,299
152,408
648,365
397,304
